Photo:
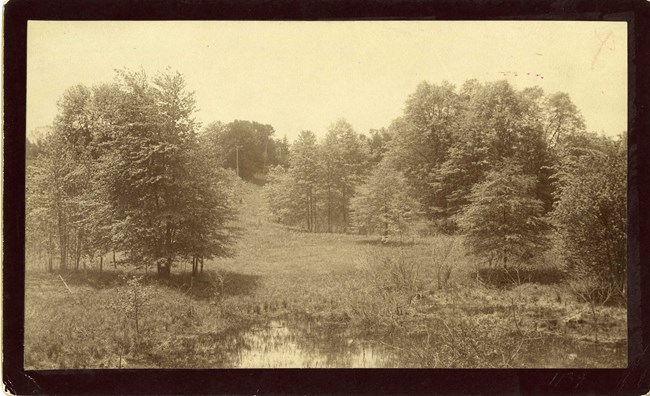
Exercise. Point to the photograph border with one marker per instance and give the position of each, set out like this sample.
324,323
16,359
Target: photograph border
633,380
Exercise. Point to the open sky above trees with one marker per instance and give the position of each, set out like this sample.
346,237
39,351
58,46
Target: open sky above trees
302,75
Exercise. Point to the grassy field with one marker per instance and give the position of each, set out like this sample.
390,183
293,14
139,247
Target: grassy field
422,302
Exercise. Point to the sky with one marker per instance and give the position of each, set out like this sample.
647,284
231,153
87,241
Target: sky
306,75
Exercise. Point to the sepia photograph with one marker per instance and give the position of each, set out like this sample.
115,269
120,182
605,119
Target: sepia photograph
326,194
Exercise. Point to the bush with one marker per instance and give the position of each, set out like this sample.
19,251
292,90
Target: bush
590,213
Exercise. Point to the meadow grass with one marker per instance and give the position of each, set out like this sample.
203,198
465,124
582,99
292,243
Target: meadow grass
425,299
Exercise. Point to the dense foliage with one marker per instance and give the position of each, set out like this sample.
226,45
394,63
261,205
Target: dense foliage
123,170
246,147
590,211
504,167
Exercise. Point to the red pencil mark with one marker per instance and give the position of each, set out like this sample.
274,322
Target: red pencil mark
516,74
603,42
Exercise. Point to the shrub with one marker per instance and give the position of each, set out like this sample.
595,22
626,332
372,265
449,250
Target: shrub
590,213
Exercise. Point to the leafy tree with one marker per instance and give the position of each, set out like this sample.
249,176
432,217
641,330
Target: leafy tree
353,162
32,150
244,146
383,203
208,212
503,221
342,162
304,172
590,212
278,152
160,187
561,118
284,197
377,144
421,140
330,175
497,123
44,206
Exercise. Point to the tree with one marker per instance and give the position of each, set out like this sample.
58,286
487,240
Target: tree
383,203
244,146
353,162
377,144
158,183
342,163
208,210
123,169
496,123
561,118
590,211
421,140
503,221
304,172
285,198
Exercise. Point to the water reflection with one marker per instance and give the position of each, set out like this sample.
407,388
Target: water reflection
295,344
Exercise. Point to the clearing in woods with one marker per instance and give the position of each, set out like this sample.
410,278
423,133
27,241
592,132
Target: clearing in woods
296,299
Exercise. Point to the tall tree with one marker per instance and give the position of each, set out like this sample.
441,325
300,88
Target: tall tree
343,162
304,171
353,161
422,138
152,186
284,197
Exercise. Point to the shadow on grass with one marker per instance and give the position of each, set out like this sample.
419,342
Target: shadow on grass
204,285
390,243
210,283
509,277
91,277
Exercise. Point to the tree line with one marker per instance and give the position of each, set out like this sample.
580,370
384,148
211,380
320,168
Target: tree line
514,171
126,168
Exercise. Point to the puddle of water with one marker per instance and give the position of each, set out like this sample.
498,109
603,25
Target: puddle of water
291,344
309,344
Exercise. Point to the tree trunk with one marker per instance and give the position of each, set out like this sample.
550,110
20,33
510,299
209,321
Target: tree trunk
194,259
50,252
311,210
201,258
329,210
114,262
345,209
63,245
308,217
73,251
165,269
